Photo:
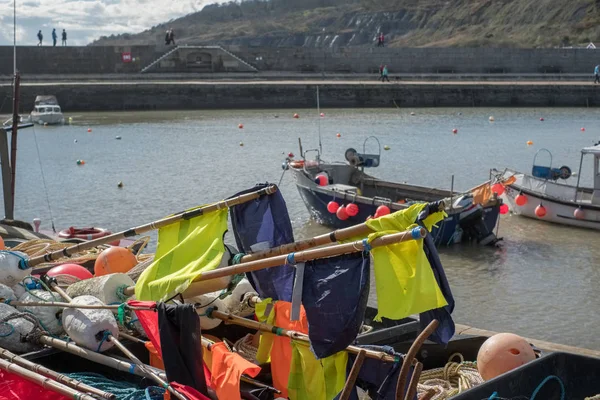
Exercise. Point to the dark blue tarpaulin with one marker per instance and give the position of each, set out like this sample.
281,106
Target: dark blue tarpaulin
261,224
335,295
446,329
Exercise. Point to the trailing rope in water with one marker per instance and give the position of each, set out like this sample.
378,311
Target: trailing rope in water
452,379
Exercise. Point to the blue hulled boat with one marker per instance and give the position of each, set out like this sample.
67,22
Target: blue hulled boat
322,182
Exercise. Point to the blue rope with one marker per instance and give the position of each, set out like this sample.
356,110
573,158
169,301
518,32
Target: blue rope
549,378
105,336
123,390
10,333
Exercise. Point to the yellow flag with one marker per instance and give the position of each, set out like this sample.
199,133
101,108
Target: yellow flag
185,250
404,280
312,379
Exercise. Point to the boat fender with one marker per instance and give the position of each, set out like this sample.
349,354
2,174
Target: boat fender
49,317
14,331
87,327
13,267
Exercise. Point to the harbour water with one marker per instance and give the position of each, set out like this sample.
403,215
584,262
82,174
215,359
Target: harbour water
541,282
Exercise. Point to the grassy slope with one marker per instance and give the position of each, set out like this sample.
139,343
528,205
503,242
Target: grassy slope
515,23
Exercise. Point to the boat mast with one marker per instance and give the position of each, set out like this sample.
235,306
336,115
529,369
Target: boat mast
319,115
9,210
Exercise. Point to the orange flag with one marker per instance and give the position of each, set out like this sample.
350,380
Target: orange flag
227,368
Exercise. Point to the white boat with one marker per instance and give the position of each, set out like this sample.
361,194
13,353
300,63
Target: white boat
46,111
541,196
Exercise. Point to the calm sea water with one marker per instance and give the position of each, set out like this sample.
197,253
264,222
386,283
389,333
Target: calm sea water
542,282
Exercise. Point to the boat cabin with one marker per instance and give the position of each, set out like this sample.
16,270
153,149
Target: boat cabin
594,151
47,109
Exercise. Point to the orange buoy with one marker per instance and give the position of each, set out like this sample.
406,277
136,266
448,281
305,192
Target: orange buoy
113,260
338,135
89,130
296,116
529,143
501,353
241,126
2,245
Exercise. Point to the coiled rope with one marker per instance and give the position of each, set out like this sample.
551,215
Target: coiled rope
452,379
123,390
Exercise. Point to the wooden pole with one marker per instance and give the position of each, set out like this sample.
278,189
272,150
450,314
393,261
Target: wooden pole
65,380
414,382
307,255
353,376
111,362
234,319
42,381
6,175
152,374
69,251
410,356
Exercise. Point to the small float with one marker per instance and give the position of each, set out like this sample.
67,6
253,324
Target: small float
83,233
544,196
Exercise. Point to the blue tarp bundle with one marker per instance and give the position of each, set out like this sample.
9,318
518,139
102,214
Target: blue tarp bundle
335,295
261,224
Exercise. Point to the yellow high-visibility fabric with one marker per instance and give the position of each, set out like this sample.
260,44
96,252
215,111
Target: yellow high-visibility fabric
185,250
404,280
263,354
312,379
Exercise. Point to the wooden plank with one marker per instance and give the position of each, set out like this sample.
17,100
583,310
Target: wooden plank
541,344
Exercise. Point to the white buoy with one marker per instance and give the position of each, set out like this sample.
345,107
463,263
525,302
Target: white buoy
86,327
105,288
11,263
207,301
12,332
6,293
235,301
491,119
48,316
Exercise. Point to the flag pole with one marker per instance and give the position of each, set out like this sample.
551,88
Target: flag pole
70,251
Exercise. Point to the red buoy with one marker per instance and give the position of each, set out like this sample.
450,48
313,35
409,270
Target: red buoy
579,213
352,209
296,116
321,180
540,211
241,126
322,114
339,135
503,209
342,214
521,200
291,155
333,206
455,131
381,211
498,188
542,119
70,269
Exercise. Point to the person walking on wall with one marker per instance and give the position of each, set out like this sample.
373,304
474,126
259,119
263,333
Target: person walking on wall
381,71
172,36
384,74
378,40
54,36
40,37
382,39
597,74
64,37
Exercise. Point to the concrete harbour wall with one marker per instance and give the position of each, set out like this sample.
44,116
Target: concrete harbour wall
207,95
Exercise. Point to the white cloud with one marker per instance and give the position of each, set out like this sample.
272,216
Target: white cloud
86,20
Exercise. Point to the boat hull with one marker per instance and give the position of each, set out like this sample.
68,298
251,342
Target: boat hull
444,234
557,211
47,119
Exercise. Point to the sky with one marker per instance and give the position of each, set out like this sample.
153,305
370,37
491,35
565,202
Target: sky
87,20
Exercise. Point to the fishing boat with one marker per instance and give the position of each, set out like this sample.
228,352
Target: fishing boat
545,195
46,111
321,183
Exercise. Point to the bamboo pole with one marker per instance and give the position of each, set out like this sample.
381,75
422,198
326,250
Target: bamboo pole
152,374
306,255
69,251
111,362
42,381
251,324
353,376
65,380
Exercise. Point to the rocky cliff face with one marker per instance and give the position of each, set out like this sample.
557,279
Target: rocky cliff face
408,23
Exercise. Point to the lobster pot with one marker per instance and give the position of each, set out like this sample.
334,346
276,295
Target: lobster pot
206,301
49,317
10,273
236,302
104,288
7,293
12,332
86,327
